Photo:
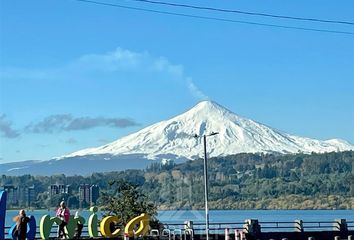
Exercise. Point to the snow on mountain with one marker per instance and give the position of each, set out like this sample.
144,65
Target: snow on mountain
173,138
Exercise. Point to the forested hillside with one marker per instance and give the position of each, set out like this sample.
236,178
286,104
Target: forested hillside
242,181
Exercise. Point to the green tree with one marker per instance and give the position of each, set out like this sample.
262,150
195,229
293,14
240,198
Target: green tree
73,202
126,201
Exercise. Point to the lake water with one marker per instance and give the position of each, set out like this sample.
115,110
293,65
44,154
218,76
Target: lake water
224,216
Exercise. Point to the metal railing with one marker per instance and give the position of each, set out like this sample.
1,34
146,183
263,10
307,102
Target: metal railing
329,225
278,226
268,226
350,224
215,227
171,230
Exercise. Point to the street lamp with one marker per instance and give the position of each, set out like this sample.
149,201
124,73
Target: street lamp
206,182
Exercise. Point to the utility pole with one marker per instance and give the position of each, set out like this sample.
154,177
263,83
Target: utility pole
206,182
206,190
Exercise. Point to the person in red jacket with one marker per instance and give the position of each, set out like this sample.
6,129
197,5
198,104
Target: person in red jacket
64,214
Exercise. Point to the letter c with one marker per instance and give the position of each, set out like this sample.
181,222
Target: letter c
105,227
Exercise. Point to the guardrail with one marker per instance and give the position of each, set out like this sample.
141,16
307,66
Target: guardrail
297,225
180,231
214,227
350,224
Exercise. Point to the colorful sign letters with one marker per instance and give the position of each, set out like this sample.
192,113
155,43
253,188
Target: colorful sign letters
47,222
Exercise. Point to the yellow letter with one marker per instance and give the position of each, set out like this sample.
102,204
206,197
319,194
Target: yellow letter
143,229
105,227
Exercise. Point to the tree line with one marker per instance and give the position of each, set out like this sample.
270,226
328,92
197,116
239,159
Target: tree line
241,181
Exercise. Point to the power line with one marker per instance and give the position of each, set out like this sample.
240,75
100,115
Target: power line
214,18
244,12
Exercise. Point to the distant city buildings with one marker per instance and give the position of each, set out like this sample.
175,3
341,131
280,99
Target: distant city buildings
20,195
24,196
94,194
55,189
11,195
88,194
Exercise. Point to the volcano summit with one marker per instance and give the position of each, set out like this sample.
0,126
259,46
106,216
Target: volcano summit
173,140
174,137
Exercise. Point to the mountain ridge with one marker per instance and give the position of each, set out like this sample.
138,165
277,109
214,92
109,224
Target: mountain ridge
236,134
173,139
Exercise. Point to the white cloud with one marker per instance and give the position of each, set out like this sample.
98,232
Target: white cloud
126,60
118,61
162,64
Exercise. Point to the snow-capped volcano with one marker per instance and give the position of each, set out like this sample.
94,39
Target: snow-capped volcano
173,138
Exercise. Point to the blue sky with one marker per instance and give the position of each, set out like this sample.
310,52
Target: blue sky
76,75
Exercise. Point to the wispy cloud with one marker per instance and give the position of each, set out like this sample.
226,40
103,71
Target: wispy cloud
118,61
126,60
114,61
6,129
66,122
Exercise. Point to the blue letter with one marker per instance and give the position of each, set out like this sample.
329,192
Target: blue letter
2,214
31,233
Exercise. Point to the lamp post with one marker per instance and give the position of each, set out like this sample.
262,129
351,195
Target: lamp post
206,182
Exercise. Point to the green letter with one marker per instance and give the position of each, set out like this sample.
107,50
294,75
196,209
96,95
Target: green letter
46,225
93,223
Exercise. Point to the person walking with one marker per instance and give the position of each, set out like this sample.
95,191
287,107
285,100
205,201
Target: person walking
63,213
21,225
